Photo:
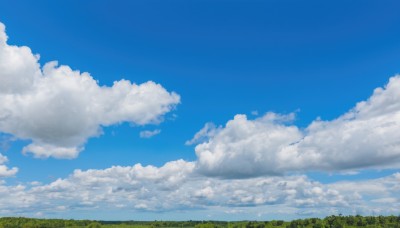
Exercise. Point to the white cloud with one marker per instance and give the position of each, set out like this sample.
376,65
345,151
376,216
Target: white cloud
254,113
3,159
148,134
170,187
7,172
4,170
372,196
245,148
18,66
209,130
59,108
368,136
177,186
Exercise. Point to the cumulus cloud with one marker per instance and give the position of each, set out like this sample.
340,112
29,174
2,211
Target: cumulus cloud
4,170
177,186
59,109
245,148
148,134
171,187
367,136
372,196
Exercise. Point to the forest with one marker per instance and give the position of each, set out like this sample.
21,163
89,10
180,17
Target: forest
332,221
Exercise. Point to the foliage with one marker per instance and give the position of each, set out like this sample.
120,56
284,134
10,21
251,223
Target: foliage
332,221
94,225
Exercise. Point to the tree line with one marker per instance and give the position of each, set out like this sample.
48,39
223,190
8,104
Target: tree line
327,222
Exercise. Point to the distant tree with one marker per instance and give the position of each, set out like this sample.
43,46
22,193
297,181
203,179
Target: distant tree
370,220
330,220
360,221
318,225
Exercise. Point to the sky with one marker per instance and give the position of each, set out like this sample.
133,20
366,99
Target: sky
199,110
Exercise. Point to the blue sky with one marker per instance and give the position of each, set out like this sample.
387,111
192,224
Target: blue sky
283,64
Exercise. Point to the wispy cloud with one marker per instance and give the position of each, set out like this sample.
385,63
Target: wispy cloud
148,134
209,130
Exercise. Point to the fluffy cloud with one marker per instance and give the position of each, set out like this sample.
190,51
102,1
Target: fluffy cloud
58,108
368,136
374,196
245,148
148,134
4,170
171,187
177,186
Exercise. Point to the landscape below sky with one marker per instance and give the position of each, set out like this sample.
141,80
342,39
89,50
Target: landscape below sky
225,111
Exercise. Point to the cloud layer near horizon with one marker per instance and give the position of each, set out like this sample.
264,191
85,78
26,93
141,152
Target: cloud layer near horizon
176,186
367,136
59,109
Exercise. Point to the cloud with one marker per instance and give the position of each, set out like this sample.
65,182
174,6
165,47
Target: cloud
59,109
4,170
209,130
149,134
171,187
245,148
132,187
177,186
372,196
367,136
6,141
